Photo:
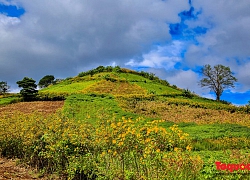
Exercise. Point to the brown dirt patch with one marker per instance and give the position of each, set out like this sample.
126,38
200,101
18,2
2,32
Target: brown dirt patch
9,170
44,107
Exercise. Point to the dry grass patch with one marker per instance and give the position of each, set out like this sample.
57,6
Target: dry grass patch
174,113
44,107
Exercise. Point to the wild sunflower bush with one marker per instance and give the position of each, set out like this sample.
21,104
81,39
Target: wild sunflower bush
109,149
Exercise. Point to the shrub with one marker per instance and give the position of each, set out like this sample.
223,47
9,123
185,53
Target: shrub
187,93
111,149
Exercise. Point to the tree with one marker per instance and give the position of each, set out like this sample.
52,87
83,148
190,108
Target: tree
29,91
4,87
46,81
217,79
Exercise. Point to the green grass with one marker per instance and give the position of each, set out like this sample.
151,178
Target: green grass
9,100
217,131
94,107
68,87
133,77
227,143
158,89
215,136
150,85
205,131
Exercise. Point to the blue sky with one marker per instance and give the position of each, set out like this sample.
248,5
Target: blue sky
172,39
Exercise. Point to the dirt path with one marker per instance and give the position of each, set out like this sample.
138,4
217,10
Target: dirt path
9,170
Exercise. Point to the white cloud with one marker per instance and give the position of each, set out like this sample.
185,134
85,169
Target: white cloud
61,37
185,79
6,21
162,57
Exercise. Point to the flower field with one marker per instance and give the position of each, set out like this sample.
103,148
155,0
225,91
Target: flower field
124,149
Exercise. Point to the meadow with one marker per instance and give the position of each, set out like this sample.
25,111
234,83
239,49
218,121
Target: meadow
117,125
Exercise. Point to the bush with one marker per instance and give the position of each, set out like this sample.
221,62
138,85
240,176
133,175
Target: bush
51,96
187,93
111,149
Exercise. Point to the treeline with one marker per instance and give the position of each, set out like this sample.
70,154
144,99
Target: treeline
118,69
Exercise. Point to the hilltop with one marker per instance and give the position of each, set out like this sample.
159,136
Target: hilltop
125,82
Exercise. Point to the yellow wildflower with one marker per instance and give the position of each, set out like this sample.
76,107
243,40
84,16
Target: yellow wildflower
113,125
189,148
120,143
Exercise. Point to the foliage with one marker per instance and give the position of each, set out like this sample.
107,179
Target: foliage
187,93
217,79
92,106
118,124
159,89
172,98
115,88
46,81
112,148
29,91
117,69
9,99
71,86
184,110
4,88
51,96
100,69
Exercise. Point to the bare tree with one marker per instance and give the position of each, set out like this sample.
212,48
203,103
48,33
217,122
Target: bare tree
4,87
217,79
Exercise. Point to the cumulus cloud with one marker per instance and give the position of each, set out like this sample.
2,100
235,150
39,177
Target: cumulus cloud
161,57
227,40
65,37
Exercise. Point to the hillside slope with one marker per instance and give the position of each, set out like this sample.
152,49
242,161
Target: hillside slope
131,121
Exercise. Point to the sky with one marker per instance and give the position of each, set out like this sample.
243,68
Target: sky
171,38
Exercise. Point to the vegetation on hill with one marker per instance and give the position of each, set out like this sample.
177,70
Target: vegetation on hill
121,124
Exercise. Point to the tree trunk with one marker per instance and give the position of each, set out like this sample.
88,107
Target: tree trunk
217,97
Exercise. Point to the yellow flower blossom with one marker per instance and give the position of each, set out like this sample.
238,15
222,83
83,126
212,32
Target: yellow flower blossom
189,148
120,143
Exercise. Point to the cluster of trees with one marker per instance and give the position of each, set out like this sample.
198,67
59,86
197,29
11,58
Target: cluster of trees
29,87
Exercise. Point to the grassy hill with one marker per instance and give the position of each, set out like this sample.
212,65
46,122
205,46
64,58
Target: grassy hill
124,124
